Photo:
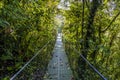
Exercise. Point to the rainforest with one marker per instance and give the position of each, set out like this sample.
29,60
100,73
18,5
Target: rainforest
85,32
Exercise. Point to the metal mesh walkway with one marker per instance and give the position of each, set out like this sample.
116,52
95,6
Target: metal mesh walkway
58,67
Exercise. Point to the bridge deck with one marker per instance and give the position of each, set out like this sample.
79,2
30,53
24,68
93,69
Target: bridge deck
58,67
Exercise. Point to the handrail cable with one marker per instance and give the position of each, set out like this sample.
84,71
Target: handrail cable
12,78
91,65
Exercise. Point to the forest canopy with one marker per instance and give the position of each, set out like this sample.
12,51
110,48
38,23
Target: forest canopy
25,26
90,26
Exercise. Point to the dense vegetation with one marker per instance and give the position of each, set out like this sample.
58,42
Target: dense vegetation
90,26
25,26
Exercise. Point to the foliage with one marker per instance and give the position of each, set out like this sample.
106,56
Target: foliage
90,26
93,28
25,26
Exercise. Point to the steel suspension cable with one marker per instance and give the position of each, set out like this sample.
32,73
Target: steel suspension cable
94,69
15,75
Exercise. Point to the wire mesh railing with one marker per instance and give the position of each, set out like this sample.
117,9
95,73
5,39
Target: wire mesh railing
35,68
90,72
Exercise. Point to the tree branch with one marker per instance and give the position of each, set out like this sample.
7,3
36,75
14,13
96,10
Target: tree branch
83,16
111,22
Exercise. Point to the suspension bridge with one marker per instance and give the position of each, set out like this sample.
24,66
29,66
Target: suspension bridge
58,67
